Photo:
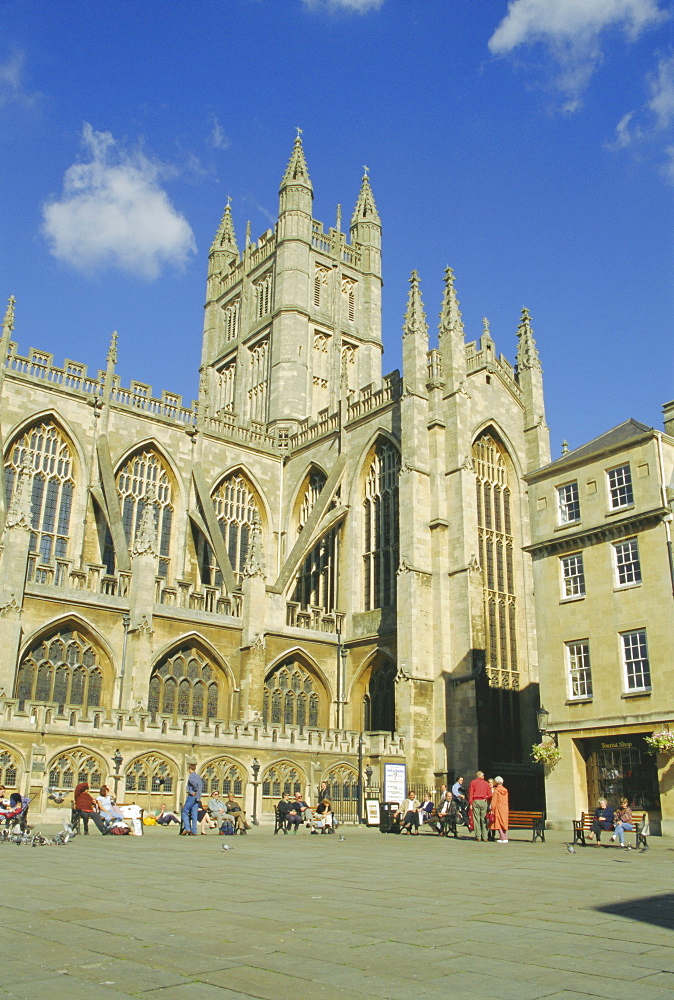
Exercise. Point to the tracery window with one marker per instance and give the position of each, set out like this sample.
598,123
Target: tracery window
9,768
496,543
348,368
70,768
236,508
312,490
282,777
380,516
349,293
320,372
380,700
231,314
321,276
150,773
316,585
342,780
263,295
225,388
186,684
258,381
142,475
290,697
63,669
223,777
49,457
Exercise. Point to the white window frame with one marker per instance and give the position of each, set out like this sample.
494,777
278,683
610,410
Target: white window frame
573,576
619,485
627,564
568,500
636,668
579,669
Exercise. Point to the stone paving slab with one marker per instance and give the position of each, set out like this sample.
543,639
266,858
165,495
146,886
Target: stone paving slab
370,918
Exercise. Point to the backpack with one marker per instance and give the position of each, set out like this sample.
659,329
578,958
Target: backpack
120,830
227,829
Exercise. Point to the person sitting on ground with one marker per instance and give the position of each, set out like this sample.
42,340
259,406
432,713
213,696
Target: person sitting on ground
289,816
235,812
165,818
107,806
86,809
322,821
603,820
623,821
303,808
409,813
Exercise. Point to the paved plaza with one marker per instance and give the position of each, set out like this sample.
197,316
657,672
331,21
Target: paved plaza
300,917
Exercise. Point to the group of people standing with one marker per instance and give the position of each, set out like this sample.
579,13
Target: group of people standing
483,808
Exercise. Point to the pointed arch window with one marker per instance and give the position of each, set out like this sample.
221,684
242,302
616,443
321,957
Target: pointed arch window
380,520
74,766
258,380
281,777
496,546
223,777
150,773
263,295
320,372
185,684
143,474
348,367
380,699
9,767
49,456
236,508
291,697
61,669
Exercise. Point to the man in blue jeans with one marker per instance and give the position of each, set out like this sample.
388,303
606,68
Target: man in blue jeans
195,788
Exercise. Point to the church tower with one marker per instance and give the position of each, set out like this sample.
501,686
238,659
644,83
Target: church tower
293,324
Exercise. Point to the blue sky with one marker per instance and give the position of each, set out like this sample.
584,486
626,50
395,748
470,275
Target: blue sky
529,145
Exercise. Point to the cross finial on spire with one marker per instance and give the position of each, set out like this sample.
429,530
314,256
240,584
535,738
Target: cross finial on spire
300,132
366,170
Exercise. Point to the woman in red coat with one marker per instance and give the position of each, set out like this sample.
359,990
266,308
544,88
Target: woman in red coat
500,810
88,809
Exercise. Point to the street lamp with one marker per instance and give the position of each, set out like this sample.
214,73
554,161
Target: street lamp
361,818
543,720
117,760
256,771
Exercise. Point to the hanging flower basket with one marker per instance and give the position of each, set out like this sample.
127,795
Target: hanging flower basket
547,754
662,742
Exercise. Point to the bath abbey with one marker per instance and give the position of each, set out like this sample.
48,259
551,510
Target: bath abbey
313,571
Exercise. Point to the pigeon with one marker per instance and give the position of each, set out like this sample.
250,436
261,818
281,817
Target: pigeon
342,838
56,796
226,847
571,849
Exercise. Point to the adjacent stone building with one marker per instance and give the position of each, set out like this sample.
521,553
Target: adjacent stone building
604,583
312,570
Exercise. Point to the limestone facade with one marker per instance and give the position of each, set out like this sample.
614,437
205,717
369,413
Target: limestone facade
602,553
315,567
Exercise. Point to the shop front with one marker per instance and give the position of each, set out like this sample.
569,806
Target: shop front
620,766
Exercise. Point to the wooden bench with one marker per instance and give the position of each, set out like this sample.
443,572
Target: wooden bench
447,822
582,828
519,819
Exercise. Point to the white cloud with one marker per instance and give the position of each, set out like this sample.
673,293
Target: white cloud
114,213
359,6
218,137
661,103
571,30
11,82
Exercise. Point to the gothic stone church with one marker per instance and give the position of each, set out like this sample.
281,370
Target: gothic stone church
315,568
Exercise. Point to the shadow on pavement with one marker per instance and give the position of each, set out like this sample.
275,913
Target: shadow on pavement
649,909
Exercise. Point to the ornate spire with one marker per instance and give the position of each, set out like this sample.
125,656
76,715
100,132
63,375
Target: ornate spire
146,541
296,171
254,565
8,321
20,513
450,314
415,317
225,238
365,210
527,353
